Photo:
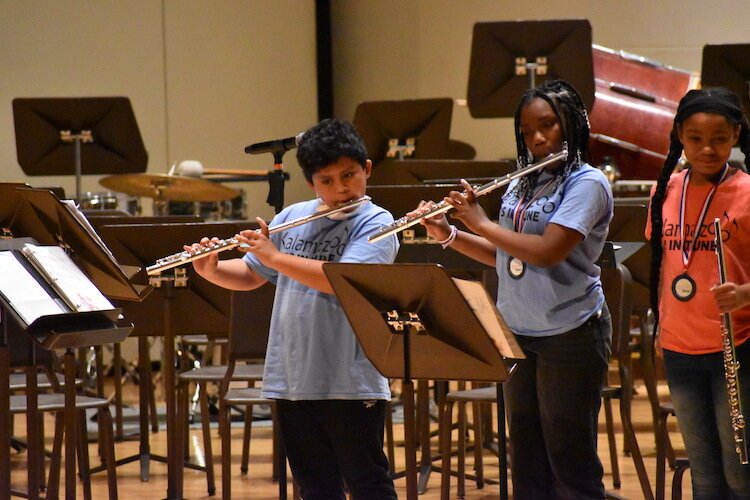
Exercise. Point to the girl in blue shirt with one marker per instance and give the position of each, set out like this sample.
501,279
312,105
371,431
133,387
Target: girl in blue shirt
551,229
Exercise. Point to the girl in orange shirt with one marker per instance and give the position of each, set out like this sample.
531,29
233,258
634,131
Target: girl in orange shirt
684,272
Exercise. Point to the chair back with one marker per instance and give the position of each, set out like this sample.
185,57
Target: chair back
617,285
249,323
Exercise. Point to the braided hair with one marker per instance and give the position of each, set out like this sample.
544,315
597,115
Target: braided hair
710,100
568,107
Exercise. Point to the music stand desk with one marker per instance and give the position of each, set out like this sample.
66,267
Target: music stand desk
67,331
77,136
424,331
495,83
178,305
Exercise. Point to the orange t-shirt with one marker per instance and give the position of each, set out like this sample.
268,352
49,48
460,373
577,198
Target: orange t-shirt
694,326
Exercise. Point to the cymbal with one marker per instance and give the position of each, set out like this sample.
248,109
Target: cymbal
168,187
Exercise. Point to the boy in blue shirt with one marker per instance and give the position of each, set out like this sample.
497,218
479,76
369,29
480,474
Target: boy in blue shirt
331,400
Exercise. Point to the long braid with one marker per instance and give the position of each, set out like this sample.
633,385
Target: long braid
657,201
570,111
712,100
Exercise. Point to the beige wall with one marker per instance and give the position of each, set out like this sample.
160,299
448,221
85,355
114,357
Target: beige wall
206,78
392,49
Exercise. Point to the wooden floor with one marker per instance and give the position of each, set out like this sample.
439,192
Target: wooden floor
258,485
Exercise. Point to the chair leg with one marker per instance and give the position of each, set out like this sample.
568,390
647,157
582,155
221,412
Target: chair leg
446,425
246,441
53,481
117,366
206,426
105,428
661,452
478,444
226,452
680,467
461,449
83,455
607,403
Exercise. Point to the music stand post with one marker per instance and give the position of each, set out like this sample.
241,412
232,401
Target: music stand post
426,331
46,128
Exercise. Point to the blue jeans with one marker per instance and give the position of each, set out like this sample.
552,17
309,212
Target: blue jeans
553,398
699,394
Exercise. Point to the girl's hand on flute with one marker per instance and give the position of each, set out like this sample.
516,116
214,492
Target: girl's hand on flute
731,296
437,226
467,210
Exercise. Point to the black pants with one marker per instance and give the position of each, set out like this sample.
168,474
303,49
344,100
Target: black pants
330,442
554,397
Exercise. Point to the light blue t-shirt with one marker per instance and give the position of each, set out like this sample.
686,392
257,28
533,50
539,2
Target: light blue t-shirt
553,300
312,351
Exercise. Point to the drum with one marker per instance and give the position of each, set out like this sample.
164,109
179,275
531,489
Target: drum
99,201
234,209
636,100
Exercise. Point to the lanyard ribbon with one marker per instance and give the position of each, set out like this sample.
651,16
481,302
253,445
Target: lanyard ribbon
687,251
520,210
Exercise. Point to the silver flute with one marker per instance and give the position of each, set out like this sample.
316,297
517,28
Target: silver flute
186,256
438,208
731,365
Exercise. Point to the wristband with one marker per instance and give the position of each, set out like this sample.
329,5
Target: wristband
450,239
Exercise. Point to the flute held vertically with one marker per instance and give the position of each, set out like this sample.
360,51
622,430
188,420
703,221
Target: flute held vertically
443,206
731,365
181,258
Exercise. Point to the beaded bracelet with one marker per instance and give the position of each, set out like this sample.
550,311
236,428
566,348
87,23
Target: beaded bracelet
450,239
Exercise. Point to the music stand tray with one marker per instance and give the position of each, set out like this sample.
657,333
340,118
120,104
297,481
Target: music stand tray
46,219
509,57
428,330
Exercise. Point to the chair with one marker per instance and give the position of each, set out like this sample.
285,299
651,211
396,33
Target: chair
617,283
248,334
476,396
663,456
24,352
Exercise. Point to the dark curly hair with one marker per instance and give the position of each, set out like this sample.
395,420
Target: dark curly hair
328,141
710,100
568,106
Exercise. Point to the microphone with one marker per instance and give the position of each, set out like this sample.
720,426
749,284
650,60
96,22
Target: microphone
276,146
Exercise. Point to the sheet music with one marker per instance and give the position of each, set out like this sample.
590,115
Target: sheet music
481,303
74,210
26,296
62,273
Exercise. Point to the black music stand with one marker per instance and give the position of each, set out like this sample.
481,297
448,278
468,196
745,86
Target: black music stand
67,330
509,57
416,128
728,66
425,331
42,216
181,303
78,136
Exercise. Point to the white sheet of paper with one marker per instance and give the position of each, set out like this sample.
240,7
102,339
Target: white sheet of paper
490,318
27,297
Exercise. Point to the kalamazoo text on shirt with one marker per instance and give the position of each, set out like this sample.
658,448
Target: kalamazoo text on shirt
326,249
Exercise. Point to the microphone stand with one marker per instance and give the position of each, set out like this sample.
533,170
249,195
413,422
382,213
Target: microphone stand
276,179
